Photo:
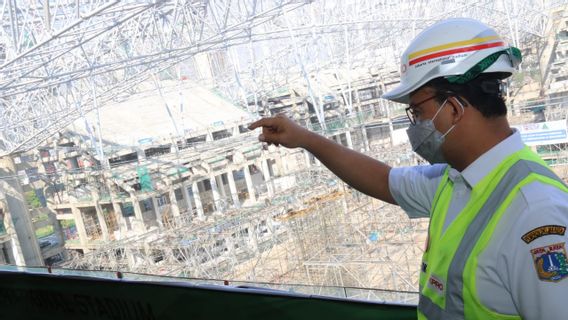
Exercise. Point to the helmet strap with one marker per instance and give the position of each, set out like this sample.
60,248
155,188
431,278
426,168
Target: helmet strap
513,53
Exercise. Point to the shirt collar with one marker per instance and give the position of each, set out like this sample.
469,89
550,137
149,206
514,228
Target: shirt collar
478,169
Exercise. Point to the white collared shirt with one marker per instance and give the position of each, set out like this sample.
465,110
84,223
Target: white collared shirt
506,277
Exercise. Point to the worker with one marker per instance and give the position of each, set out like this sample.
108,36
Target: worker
496,245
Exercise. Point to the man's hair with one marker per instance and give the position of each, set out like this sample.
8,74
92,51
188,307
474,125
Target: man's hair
484,93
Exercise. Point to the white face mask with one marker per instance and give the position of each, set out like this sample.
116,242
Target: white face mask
426,141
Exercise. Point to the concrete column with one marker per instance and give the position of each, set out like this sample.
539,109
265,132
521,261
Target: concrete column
233,188
16,211
137,211
173,202
15,254
102,221
349,140
215,192
318,163
122,226
365,138
279,165
209,136
230,243
253,241
141,155
157,211
56,227
197,199
221,186
391,126
267,177
130,258
101,217
187,198
80,225
120,219
3,259
335,138
308,157
270,224
357,98
250,186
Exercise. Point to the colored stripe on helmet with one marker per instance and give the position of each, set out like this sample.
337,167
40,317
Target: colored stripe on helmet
451,45
458,50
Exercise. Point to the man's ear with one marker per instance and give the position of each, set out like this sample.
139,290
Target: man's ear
462,101
458,108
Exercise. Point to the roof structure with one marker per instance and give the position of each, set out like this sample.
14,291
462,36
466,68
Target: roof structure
146,117
60,59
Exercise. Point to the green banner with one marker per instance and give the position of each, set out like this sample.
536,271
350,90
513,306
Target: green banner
144,179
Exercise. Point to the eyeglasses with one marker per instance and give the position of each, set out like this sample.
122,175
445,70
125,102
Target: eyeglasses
411,112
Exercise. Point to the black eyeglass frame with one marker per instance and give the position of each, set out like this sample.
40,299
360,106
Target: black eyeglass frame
410,109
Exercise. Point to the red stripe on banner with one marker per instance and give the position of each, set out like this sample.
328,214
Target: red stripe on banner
449,52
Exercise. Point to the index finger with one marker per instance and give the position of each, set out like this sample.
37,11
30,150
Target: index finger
264,122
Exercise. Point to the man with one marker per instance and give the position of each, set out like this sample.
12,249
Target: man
496,242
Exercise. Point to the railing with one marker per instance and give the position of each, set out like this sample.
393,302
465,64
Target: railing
354,293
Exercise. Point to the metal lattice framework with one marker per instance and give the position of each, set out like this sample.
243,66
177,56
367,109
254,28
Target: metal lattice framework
102,50
63,58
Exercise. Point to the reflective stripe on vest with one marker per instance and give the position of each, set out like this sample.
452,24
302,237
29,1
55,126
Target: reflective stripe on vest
454,301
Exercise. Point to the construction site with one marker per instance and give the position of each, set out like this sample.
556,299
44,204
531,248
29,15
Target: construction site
124,143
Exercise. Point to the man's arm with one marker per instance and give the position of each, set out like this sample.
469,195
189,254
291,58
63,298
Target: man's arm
356,169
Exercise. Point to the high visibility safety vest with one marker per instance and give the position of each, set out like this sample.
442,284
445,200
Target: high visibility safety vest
447,278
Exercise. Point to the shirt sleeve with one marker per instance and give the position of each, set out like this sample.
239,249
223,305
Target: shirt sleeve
534,256
413,188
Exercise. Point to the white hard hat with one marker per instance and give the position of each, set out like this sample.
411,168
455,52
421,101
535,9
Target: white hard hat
458,49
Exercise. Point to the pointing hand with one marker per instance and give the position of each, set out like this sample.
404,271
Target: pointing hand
280,130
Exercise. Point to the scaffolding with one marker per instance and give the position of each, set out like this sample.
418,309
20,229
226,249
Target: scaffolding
318,233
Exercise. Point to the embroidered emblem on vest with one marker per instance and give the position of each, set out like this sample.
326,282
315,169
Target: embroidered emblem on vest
436,284
543,231
551,262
